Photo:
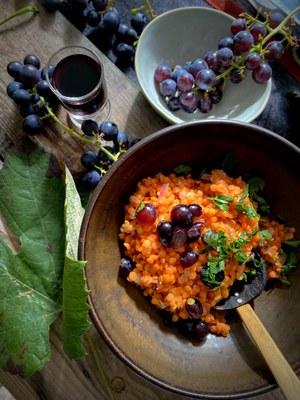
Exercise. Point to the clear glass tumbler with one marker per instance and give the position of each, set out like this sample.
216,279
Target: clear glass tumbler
76,76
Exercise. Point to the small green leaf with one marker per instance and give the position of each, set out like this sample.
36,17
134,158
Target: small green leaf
292,243
221,201
182,169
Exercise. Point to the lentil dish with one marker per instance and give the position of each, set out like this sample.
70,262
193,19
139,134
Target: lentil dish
188,273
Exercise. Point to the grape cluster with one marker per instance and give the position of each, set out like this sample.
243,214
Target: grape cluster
96,163
103,25
37,103
26,90
199,84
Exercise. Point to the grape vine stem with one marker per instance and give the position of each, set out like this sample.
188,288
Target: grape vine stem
22,11
278,29
75,134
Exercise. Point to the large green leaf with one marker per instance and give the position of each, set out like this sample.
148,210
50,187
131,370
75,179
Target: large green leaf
75,306
30,281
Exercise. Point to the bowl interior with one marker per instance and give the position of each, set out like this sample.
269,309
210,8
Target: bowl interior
185,34
127,320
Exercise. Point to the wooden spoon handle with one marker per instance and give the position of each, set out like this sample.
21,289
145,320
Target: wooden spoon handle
283,373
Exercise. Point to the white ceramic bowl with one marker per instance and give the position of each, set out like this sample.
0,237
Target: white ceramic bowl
185,34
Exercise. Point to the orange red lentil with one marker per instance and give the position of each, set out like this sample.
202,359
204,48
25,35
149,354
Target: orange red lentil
158,270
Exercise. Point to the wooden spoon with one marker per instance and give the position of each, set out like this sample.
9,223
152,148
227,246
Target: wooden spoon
283,373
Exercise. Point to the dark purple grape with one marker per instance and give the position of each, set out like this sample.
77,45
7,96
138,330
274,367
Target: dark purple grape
275,50
196,66
193,308
50,72
138,21
147,215
14,68
216,95
43,88
189,258
236,76
226,42
93,18
188,101
185,81
242,42
211,59
28,109
91,179
109,130
262,73
51,5
29,74
121,33
202,329
206,79
258,31
167,88
225,57
100,5
194,232
89,127
173,104
13,86
275,19
21,97
239,24
105,160
205,104
89,159
32,125
165,230
122,141
187,327
131,36
179,239
176,72
126,266
195,209
32,60
162,72
252,60
111,21
181,216
186,65
124,53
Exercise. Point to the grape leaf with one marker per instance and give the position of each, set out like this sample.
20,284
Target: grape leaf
30,281
75,306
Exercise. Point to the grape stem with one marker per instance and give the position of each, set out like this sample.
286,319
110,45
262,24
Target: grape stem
22,11
98,365
278,29
150,9
75,134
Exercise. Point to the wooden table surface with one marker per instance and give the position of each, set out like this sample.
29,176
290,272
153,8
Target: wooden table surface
62,379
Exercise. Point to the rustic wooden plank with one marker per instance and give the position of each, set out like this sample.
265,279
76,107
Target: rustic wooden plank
63,379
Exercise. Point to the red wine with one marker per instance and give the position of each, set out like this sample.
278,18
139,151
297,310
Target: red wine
76,76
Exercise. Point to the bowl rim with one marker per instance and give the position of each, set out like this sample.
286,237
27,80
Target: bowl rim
81,256
172,118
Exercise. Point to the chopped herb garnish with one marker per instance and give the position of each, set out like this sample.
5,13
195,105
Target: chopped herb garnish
182,169
256,184
221,201
264,235
229,162
242,208
140,207
288,267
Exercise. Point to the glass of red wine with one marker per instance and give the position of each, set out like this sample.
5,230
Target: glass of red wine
76,76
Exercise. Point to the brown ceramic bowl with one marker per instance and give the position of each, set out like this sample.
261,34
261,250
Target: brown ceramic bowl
220,368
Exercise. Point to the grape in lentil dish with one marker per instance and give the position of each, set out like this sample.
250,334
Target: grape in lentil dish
186,241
